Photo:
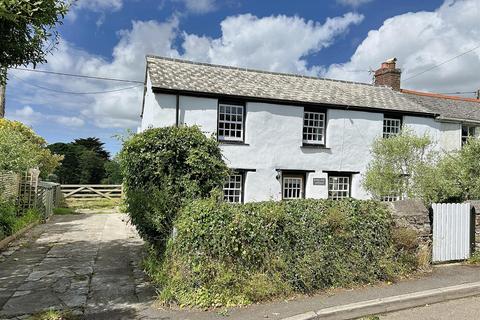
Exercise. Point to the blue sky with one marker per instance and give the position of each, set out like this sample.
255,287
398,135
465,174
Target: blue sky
337,38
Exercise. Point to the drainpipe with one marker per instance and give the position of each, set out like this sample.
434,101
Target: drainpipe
177,116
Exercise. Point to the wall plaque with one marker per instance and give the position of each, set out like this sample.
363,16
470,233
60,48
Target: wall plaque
319,181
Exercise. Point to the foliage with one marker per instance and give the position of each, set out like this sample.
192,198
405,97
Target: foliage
475,258
162,169
21,149
85,162
11,222
457,177
113,173
225,255
27,31
54,315
398,164
93,204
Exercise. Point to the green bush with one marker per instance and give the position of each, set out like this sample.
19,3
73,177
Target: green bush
11,222
226,254
162,169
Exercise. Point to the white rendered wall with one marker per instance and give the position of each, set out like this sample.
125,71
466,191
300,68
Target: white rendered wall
273,140
159,110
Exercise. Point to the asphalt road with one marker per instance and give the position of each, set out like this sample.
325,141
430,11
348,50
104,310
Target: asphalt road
463,309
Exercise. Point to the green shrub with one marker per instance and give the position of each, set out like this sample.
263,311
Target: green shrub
11,222
162,169
225,255
8,217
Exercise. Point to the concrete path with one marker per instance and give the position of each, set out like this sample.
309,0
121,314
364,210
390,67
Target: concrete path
86,263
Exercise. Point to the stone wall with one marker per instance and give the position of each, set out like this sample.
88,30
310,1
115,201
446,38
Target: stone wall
412,214
476,206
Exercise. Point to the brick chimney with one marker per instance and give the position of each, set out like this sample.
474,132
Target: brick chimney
388,75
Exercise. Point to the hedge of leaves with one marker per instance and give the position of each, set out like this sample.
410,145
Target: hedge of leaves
225,255
163,168
12,222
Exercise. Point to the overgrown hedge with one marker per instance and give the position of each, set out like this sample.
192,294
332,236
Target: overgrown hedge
226,254
12,222
163,168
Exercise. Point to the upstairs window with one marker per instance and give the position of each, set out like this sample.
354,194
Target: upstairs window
338,187
467,132
230,122
232,189
391,126
292,187
313,127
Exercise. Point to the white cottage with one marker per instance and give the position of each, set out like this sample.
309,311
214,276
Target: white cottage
291,136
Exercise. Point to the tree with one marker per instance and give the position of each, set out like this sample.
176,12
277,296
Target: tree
113,174
22,149
95,145
69,171
84,161
399,166
27,31
456,178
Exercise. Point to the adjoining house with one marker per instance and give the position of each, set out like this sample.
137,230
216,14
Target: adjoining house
289,136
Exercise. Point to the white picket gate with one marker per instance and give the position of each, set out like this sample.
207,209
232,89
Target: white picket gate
451,231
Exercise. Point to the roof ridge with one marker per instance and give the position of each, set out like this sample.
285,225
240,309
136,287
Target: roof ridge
438,95
257,70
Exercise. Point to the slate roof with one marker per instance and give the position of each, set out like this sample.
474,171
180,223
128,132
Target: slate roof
187,76
449,108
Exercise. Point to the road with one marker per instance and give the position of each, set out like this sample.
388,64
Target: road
463,309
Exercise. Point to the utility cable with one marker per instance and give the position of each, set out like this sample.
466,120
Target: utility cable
78,75
442,63
73,92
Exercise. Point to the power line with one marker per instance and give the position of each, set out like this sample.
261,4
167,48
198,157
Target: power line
78,75
442,63
73,92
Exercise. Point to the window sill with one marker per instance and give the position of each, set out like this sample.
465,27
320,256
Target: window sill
239,143
314,146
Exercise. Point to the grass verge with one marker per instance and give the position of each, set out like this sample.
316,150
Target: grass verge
54,315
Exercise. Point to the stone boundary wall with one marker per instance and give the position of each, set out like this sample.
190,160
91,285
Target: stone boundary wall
476,206
412,214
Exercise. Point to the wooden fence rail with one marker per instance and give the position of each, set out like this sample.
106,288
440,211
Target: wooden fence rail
92,191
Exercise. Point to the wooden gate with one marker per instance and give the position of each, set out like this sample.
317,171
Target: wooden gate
452,235
92,191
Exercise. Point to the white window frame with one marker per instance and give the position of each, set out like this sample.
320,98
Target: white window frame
233,188
228,122
338,185
293,186
465,137
393,124
314,127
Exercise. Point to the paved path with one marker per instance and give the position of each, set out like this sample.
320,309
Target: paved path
465,309
86,263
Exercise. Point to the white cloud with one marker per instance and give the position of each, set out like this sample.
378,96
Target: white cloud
199,6
353,3
115,110
26,115
246,40
69,121
420,41
97,5
275,43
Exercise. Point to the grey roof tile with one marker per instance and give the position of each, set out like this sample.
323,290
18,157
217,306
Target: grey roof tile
182,75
